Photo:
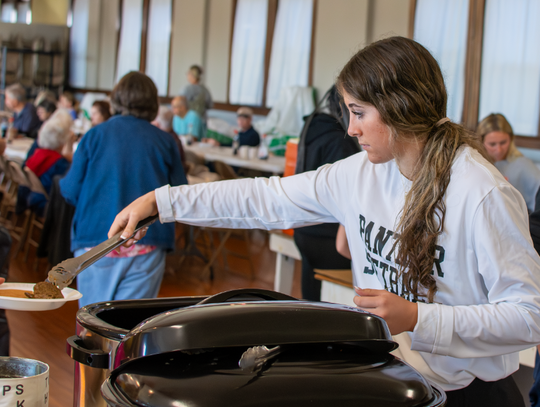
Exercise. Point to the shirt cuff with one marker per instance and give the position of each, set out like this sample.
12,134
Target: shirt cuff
434,329
163,201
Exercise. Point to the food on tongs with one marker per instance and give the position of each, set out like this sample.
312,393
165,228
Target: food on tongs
45,290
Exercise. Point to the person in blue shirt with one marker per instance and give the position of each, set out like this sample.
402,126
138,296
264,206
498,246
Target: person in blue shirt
25,119
115,162
67,101
186,122
247,135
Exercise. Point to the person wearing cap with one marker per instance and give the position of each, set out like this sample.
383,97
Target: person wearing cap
247,135
185,121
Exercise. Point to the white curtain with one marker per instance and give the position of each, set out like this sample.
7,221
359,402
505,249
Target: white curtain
247,56
9,13
78,42
158,42
129,49
510,81
441,27
289,62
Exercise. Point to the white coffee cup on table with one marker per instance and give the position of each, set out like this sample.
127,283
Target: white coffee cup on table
243,152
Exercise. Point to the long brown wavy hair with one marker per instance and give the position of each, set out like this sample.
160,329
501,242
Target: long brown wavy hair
405,84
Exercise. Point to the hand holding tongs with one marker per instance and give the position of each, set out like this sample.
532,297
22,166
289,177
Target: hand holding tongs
63,274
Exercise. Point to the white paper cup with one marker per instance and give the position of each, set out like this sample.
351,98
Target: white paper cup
243,152
23,382
253,152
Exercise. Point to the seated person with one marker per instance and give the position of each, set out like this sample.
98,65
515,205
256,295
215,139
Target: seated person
185,122
247,135
163,121
498,139
100,112
67,101
45,94
45,109
25,119
47,160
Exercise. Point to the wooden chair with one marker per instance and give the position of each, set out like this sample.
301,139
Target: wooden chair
194,158
12,220
17,174
8,189
5,179
225,171
35,185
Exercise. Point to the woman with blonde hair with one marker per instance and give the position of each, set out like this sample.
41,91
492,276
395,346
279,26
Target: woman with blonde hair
498,139
426,215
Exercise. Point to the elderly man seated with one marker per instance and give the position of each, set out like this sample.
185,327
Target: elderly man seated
47,160
186,122
163,121
25,119
247,135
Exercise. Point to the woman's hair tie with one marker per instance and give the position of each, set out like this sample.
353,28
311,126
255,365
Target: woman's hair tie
442,121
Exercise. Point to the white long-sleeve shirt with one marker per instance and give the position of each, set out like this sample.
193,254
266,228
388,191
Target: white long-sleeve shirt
487,307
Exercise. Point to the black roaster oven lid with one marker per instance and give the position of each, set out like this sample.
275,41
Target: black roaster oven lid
328,354
214,323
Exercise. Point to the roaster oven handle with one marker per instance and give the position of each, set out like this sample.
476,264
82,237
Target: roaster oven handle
89,357
256,292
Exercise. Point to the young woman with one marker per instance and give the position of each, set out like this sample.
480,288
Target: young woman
439,239
498,138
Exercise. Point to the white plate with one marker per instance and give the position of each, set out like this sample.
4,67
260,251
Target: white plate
31,304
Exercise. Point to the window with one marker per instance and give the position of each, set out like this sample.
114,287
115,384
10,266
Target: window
248,51
510,75
129,49
271,45
502,64
441,27
78,44
291,45
158,43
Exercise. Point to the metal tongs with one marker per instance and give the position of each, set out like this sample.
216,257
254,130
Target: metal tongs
63,273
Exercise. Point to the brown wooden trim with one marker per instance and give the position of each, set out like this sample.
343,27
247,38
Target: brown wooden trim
312,47
67,59
170,48
144,34
86,90
233,20
118,35
527,142
270,25
167,99
233,108
412,17
225,106
473,64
